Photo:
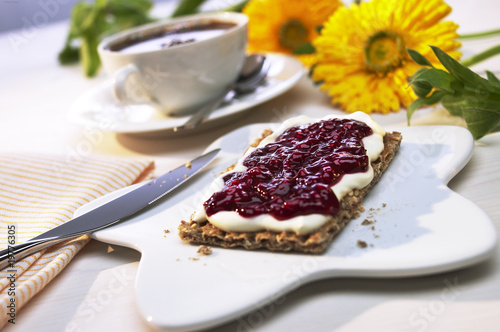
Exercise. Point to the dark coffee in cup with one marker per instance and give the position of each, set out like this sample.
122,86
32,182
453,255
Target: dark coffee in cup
171,37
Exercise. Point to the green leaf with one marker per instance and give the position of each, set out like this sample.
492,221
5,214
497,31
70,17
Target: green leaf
120,7
419,58
69,55
237,7
462,73
491,77
454,104
80,13
461,91
421,89
436,77
306,48
480,121
311,70
319,28
310,74
89,56
125,21
92,21
187,7
431,100
415,105
481,116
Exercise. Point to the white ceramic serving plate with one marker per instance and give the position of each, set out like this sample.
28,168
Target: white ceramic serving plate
421,227
99,108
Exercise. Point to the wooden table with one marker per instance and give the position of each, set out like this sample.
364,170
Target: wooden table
35,94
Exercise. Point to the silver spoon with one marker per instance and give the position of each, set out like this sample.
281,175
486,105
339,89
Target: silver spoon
253,72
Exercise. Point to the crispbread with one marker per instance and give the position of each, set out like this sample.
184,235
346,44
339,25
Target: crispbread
316,242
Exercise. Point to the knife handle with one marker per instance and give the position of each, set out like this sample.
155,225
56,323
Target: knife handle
11,255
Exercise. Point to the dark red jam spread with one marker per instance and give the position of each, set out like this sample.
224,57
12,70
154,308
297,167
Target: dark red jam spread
292,176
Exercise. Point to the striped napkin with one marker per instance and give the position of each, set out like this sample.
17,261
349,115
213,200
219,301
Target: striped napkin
38,193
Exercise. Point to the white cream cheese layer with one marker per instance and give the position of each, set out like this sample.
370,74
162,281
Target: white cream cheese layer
232,221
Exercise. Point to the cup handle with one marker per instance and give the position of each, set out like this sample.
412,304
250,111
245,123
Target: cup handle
121,77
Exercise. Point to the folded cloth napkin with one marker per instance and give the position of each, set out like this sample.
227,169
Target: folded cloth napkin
38,193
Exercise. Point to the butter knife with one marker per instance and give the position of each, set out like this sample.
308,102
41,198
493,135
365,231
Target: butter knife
109,213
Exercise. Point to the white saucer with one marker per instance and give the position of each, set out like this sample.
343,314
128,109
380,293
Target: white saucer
98,107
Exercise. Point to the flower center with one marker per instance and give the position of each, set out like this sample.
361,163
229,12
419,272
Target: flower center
292,34
384,51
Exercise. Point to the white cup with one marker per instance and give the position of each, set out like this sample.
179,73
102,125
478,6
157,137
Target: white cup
179,79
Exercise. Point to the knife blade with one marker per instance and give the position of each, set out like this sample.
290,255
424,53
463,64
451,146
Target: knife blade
111,212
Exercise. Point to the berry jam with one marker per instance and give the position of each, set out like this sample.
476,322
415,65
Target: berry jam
292,176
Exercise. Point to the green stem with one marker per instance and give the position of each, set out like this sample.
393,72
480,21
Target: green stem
187,7
480,34
481,56
237,7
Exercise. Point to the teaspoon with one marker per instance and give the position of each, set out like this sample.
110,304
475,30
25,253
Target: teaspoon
253,72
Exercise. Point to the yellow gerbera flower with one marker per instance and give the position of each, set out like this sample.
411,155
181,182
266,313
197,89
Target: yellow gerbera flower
283,25
362,57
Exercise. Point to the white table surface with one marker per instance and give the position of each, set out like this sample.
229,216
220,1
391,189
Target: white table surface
35,93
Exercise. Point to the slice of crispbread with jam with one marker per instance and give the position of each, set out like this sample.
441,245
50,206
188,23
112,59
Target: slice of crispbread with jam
316,241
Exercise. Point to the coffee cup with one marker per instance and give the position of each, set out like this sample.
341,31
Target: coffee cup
177,65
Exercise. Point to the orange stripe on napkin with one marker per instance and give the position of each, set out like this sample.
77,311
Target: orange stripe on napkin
38,193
